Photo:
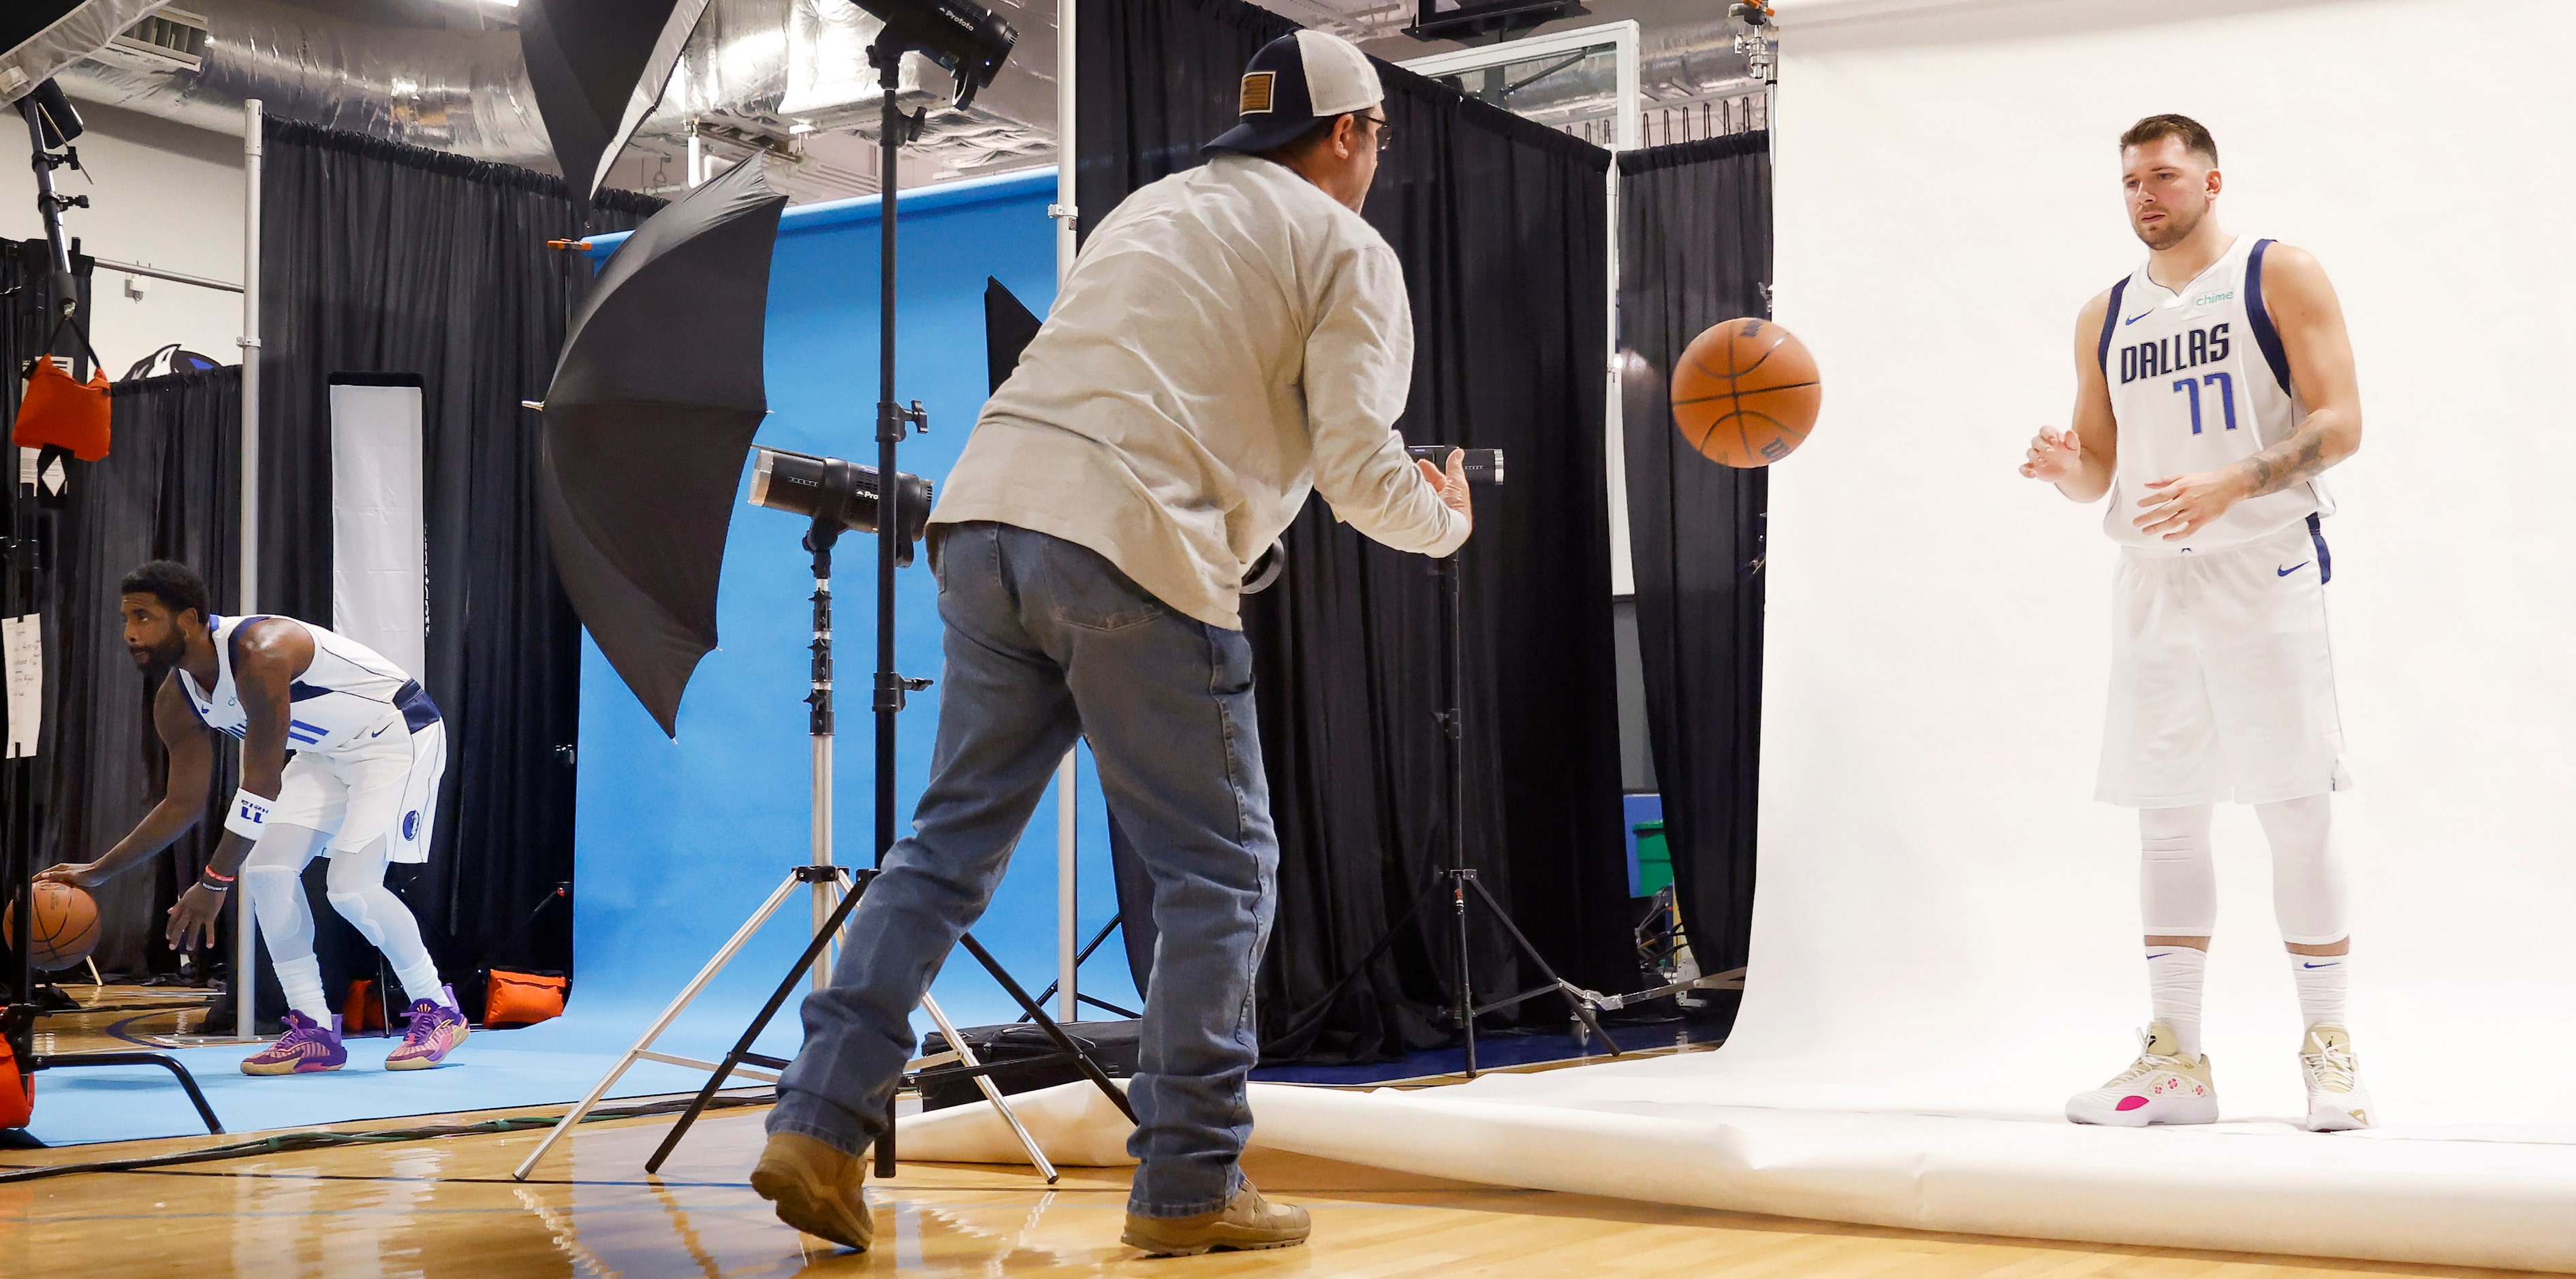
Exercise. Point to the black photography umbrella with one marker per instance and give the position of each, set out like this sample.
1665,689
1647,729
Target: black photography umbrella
647,422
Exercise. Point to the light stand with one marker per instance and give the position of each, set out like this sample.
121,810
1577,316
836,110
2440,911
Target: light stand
23,551
1458,879
891,689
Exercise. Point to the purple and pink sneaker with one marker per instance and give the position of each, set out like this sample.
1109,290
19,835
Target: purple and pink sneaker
436,1030
304,1049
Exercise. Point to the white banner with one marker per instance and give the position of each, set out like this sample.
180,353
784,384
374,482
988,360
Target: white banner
379,545
22,651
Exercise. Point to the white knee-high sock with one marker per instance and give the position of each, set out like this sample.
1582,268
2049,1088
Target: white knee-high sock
2173,987
273,876
358,892
2323,981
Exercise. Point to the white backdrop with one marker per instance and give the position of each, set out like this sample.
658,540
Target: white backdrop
1946,938
1936,885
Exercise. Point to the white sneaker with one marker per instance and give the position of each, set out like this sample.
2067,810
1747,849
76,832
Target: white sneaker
2161,1087
2336,1099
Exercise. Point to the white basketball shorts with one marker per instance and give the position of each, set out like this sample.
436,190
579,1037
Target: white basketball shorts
2222,679
385,783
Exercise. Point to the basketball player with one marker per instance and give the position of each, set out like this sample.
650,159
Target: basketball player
2213,387
361,790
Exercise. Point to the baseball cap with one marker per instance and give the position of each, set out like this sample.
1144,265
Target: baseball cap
1293,82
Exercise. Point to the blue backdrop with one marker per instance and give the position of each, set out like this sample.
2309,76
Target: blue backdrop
678,842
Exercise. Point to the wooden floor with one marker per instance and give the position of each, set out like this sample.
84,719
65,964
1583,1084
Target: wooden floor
447,1208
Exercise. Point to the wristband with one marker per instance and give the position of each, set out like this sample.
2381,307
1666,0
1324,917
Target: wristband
248,814
222,881
213,887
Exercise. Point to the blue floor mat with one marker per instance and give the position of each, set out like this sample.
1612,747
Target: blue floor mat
553,1063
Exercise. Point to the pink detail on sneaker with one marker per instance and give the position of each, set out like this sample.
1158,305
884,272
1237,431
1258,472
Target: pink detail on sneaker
2130,1103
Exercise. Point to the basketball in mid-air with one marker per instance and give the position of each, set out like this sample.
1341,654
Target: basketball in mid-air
1746,393
66,928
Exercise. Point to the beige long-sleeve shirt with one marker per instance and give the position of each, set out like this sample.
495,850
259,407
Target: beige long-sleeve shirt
1230,339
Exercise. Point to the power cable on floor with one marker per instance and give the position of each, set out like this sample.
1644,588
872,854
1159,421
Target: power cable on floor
292,1142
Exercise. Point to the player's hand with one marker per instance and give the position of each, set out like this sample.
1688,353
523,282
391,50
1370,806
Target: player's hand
2055,456
1451,484
2178,506
76,874
192,921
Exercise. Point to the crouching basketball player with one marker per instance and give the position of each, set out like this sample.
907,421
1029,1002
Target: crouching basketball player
361,790
2213,386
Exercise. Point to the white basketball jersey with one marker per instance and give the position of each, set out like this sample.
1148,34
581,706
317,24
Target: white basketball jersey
341,699
2199,380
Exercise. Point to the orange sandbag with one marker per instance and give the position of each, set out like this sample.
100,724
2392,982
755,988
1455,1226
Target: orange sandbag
58,410
524,999
17,1091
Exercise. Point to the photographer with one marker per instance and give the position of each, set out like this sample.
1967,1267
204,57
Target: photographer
1232,338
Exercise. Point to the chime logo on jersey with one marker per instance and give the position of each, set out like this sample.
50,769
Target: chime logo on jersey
2168,355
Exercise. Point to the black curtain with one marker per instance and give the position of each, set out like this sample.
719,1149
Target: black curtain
169,488
1501,225
381,258
1694,249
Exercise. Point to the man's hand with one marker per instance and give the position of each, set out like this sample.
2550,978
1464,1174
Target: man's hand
76,874
1451,485
2055,456
193,919
2178,506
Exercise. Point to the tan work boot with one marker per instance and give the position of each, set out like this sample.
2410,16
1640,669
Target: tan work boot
1247,1222
816,1188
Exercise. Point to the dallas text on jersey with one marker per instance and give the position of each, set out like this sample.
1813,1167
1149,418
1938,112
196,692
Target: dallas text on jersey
2166,355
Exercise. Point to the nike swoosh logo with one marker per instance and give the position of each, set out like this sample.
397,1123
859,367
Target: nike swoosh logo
2318,965
379,732
2139,316
2291,569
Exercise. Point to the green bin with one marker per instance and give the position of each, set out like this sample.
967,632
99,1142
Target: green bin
1654,859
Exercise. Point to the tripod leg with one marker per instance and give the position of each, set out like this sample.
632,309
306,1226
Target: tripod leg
741,937
1581,1010
984,1084
777,999
1082,1060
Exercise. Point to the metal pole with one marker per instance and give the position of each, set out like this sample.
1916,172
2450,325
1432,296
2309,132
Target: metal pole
1067,216
1068,957
890,426
1454,740
245,921
1068,894
821,727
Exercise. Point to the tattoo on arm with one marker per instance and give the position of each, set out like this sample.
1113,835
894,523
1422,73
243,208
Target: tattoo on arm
2294,460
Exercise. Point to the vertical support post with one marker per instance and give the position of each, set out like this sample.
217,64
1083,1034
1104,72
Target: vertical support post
254,150
1068,892
1067,215
1630,134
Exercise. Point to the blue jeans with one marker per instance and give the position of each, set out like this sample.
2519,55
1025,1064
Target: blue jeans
1048,641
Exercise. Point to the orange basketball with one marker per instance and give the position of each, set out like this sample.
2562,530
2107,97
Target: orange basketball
66,926
1746,393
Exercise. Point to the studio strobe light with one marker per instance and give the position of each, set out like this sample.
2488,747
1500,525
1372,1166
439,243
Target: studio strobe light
803,484
960,35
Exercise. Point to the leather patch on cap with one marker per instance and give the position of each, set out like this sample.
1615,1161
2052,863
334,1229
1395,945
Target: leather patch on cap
1257,87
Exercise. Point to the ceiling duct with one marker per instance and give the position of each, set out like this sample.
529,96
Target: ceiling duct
789,72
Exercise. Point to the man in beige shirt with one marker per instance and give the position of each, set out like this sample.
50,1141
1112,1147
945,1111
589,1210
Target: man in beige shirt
1232,338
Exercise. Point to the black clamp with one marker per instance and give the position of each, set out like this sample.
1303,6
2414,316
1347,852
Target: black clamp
893,690
892,418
